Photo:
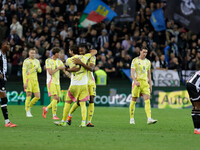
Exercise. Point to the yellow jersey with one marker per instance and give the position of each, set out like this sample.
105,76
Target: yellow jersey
141,68
79,77
90,75
30,68
53,64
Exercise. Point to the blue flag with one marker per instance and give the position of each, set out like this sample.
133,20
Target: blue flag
127,72
101,8
158,20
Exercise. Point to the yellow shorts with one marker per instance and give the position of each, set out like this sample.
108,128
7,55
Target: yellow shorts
143,89
53,89
92,89
33,86
77,92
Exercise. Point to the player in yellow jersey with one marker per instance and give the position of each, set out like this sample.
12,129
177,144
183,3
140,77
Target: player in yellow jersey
53,67
78,90
91,84
141,85
31,66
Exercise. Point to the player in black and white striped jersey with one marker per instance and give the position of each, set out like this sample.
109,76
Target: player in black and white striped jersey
3,70
193,88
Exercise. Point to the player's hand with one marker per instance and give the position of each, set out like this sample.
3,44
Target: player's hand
150,89
77,61
1,76
61,67
137,83
25,86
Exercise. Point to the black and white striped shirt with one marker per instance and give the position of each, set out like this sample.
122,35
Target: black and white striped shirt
195,80
3,65
102,40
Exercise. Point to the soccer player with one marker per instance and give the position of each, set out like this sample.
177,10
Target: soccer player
31,67
193,88
3,70
78,89
53,67
91,84
141,75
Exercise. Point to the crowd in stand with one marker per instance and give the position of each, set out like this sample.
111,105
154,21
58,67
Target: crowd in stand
44,24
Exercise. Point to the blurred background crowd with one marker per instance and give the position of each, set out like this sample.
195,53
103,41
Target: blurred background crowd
44,24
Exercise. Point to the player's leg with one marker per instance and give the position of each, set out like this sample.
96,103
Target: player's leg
146,95
132,109
196,116
36,91
195,100
147,108
4,110
28,96
54,92
73,108
90,111
83,97
35,99
53,104
27,103
135,94
72,95
92,93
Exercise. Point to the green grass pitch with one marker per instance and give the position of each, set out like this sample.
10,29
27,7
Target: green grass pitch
112,131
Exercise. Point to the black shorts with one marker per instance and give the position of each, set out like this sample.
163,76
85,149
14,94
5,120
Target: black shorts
192,91
2,85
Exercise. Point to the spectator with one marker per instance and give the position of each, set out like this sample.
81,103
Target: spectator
156,63
109,68
16,26
163,63
103,38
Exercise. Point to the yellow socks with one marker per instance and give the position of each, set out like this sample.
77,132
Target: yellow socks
73,108
33,101
90,112
132,109
66,111
148,108
27,103
54,107
83,110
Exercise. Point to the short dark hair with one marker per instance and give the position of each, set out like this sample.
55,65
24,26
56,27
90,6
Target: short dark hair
86,46
143,47
74,48
55,50
2,42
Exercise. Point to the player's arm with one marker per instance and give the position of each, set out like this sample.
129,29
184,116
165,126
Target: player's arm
51,72
133,66
67,73
39,69
73,69
149,78
91,66
133,77
25,75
